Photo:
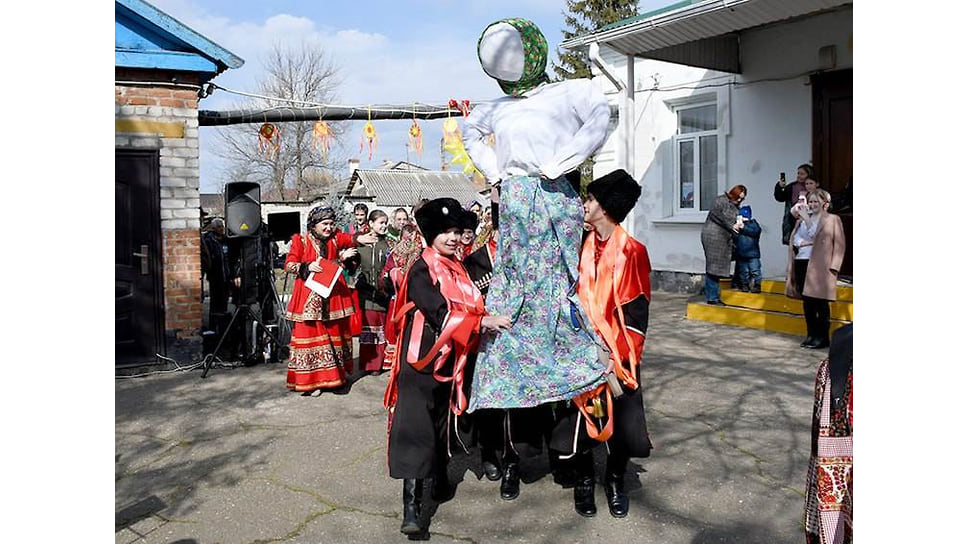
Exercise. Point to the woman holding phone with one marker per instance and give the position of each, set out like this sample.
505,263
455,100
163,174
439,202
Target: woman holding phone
788,193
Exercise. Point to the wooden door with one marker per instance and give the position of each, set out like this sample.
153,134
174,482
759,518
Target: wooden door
139,307
833,148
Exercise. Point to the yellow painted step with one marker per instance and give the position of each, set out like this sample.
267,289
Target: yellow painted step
844,292
771,302
753,319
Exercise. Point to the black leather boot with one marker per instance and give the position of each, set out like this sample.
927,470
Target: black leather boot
411,506
490,465
618,501
585,496
510,482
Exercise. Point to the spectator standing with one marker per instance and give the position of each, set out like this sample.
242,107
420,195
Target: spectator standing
360,225
215,265
718,233
373,297
398,219
788,193
748,267
816,252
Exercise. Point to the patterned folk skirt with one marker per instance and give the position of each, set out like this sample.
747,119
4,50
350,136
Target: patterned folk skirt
373,341
546,355
829,507
321,354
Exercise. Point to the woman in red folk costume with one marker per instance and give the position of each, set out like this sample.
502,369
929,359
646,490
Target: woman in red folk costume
321,349
441,315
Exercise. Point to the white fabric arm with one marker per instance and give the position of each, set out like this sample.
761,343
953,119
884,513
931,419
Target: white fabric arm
591,106
476,131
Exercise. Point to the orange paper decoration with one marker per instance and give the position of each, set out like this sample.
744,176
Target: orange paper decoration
416,137
322,136
269,139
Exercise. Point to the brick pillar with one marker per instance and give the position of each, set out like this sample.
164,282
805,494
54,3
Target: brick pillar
183,287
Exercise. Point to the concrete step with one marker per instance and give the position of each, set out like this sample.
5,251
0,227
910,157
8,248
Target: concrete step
778,286
782,322
772,302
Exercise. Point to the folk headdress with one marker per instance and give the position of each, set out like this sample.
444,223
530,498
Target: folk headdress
319,214
441,214
616,193
515,53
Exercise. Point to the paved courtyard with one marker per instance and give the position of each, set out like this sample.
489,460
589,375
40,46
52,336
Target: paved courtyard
236,458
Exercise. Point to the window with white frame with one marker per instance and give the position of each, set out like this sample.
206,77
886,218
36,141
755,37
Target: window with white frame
697,156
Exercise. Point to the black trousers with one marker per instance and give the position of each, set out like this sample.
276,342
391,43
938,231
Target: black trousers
816,311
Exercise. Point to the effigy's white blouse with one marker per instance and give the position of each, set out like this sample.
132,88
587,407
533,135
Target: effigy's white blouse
549,131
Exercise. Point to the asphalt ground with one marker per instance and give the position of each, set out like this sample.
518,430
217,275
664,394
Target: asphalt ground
236,458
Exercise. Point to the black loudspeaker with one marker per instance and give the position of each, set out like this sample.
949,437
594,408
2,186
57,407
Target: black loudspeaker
282,225
243,209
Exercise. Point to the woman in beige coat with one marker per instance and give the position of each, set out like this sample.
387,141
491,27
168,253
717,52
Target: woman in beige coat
815,280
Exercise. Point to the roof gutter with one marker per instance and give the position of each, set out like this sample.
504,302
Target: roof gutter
660,19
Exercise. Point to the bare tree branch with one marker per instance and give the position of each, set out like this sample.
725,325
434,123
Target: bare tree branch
304,74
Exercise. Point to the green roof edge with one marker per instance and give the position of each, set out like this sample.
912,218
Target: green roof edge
653,13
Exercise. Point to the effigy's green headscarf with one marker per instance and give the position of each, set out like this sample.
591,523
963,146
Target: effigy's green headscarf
515,53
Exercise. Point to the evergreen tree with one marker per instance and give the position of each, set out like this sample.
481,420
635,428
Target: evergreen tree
584,17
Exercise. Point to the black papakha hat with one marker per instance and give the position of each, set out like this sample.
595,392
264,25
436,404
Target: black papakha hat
441,214
617,193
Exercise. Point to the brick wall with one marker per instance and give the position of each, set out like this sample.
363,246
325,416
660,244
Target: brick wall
164,116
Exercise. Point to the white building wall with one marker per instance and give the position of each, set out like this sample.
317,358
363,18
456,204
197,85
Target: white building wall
765,129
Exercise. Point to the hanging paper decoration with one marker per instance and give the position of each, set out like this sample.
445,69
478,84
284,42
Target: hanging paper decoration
416,137
369,138
269,139
369,135
464,106
322,136
454,144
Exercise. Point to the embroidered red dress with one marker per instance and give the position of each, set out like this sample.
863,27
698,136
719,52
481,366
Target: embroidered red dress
321,349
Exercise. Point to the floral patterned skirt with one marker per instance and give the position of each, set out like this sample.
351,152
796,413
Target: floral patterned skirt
321,354
545,356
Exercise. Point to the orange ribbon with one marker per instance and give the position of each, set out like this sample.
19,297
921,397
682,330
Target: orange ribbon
460,334
595,291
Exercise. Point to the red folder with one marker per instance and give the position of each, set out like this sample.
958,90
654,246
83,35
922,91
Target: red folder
324,281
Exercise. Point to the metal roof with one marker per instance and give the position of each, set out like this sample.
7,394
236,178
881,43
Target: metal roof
405,188
700,33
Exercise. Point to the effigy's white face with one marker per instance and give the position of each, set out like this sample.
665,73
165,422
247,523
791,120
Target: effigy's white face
501,52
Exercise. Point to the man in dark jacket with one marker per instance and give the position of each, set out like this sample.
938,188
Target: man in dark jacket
215,265
747,252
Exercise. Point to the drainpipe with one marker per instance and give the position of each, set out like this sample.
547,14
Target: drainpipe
626,144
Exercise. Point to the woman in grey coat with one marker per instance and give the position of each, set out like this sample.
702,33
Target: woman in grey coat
718,234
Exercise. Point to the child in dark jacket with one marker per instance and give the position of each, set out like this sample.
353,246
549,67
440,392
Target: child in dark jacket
747,251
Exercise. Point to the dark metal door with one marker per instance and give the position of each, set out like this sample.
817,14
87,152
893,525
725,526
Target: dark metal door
833,147
139,307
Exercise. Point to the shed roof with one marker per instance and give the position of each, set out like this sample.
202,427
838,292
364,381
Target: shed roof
406,187
146,37
703,33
